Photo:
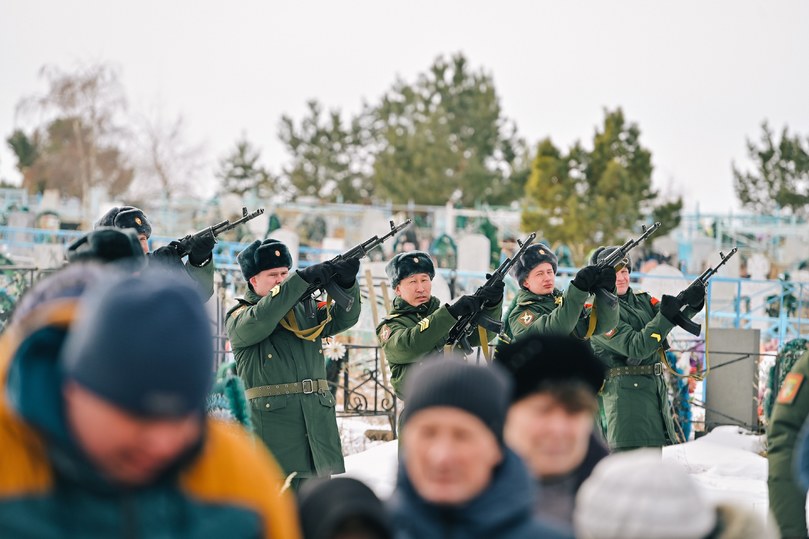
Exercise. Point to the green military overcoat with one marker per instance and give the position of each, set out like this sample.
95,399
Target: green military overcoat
409,333
787,499
559,313
637,406
300,429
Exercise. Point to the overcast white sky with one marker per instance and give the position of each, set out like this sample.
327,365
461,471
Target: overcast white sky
698,77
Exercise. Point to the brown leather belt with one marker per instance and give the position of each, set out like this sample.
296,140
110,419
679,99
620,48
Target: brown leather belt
306,387
636,370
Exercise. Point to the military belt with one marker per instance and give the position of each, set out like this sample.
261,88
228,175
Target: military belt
306,387
636,370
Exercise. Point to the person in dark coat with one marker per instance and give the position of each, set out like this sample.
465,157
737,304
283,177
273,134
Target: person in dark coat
102,425
552,416
342,508
456,476
199,266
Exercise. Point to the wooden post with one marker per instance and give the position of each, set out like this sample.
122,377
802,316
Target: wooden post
383,364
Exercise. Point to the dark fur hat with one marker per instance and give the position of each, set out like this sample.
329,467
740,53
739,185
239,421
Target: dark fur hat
410,263
603,252
126,217
263,255
536,359
533,256
108,244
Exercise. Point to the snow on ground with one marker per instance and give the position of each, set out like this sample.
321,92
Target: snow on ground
725,463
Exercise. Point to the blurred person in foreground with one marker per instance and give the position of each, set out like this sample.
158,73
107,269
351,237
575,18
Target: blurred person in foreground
102,426
552,415
633,495
342,508
418,324
456,476
199,267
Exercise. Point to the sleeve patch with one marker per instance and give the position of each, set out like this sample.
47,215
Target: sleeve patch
526,318
424,324
274,292
237,310
384,333
611,333
654,301
789,389
656,336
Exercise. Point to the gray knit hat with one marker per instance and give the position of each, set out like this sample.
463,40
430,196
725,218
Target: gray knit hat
483,392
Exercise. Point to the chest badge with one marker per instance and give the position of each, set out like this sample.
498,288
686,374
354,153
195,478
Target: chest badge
526,318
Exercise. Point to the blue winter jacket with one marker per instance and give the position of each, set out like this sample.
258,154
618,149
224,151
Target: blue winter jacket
502,511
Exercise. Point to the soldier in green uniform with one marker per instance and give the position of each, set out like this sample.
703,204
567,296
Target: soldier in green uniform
417,325
787,499
635,396
199,267
279,355
540,308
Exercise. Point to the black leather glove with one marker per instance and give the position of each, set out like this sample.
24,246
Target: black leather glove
345,272
317,273
201,247
670,308
463,306
168,256
694,295
606,278
493,293
587,278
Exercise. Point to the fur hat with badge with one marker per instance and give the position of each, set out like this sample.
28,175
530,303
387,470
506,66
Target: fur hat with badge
603,252
535,360
533,256
263,255
404,265
126,217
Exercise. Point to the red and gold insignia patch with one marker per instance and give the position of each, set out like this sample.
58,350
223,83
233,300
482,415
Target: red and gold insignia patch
611,332
526,318
654,301
384,333
789,389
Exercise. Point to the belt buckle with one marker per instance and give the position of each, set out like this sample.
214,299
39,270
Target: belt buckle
658,369
308,386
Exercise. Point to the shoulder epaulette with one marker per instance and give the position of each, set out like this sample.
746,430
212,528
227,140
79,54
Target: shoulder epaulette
242,304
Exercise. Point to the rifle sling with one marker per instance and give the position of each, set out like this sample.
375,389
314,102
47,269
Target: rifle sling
289,323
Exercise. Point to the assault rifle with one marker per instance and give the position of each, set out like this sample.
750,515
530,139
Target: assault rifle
337,293
689,325
183,245
460,332
617,259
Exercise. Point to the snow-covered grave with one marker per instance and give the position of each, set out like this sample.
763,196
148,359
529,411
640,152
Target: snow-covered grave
725,462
